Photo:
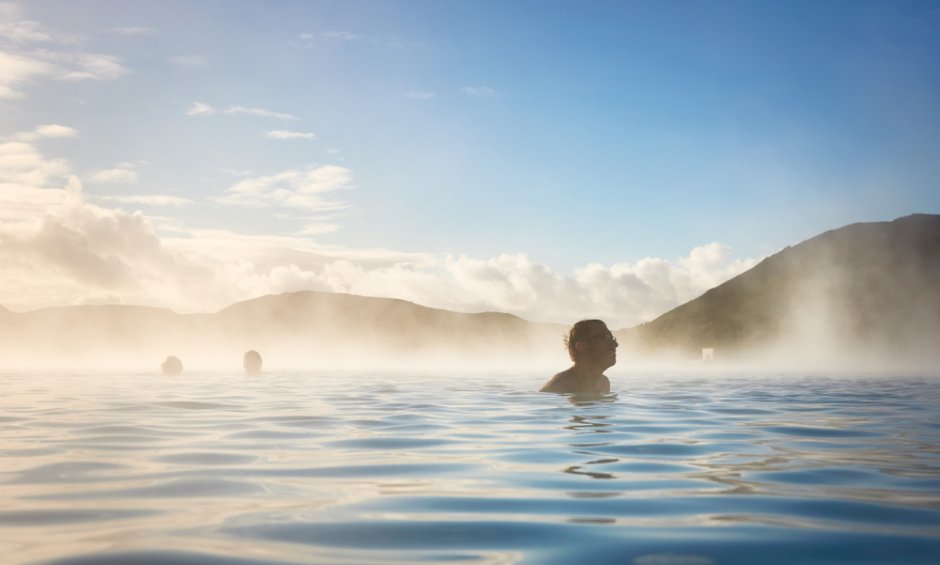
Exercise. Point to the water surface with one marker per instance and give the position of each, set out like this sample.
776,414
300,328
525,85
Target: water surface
670,469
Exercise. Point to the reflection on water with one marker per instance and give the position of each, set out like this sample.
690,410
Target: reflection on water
580,470
309,468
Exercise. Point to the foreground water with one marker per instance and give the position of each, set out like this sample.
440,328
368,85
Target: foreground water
397,468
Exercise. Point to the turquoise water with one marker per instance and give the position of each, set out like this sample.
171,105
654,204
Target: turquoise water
670,469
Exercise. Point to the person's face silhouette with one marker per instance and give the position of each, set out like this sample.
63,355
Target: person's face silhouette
600,346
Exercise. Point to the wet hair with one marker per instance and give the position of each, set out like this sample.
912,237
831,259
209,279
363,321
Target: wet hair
579,331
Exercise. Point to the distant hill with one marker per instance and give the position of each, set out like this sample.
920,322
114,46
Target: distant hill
387,322
866,288
307,328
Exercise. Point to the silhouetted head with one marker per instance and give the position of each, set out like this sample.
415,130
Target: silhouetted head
172,366
252,362
589,341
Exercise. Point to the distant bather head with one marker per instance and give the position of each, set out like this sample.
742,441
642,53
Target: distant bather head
252,362
172,366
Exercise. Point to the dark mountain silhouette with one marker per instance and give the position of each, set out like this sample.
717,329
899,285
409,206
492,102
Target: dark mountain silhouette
863,288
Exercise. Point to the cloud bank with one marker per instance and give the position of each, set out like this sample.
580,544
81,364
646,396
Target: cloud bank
59,249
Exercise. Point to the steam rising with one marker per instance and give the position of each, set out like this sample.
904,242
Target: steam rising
861,297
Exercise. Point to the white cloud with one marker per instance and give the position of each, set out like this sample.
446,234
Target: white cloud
24,32
20,63
623,294
711,266
17,30
81,251
343,35
480,91
293,188
119,175
285,134
57,249
46,131
87,66
74,251
317,229
259,112
418,95
310,39
22,164
150,200
236,172
200,109
21,204
132,31
55,130
16,70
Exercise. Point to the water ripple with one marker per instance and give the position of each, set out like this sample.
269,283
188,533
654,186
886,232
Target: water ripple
366,468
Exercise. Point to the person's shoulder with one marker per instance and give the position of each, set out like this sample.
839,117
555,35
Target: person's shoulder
558,383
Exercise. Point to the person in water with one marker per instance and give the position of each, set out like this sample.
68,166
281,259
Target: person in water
172,366
252,362
593,349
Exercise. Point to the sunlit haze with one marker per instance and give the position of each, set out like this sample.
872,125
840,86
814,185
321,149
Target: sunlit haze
638,282
553,160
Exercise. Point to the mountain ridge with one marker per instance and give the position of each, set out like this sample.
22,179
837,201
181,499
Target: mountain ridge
315,325
870,284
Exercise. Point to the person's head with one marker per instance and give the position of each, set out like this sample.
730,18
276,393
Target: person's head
172,366
589,341
252,362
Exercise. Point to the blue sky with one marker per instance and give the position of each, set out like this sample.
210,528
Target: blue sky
468,155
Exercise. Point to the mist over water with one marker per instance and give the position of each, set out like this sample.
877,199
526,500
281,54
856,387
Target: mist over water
859,298
812,335
369,466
